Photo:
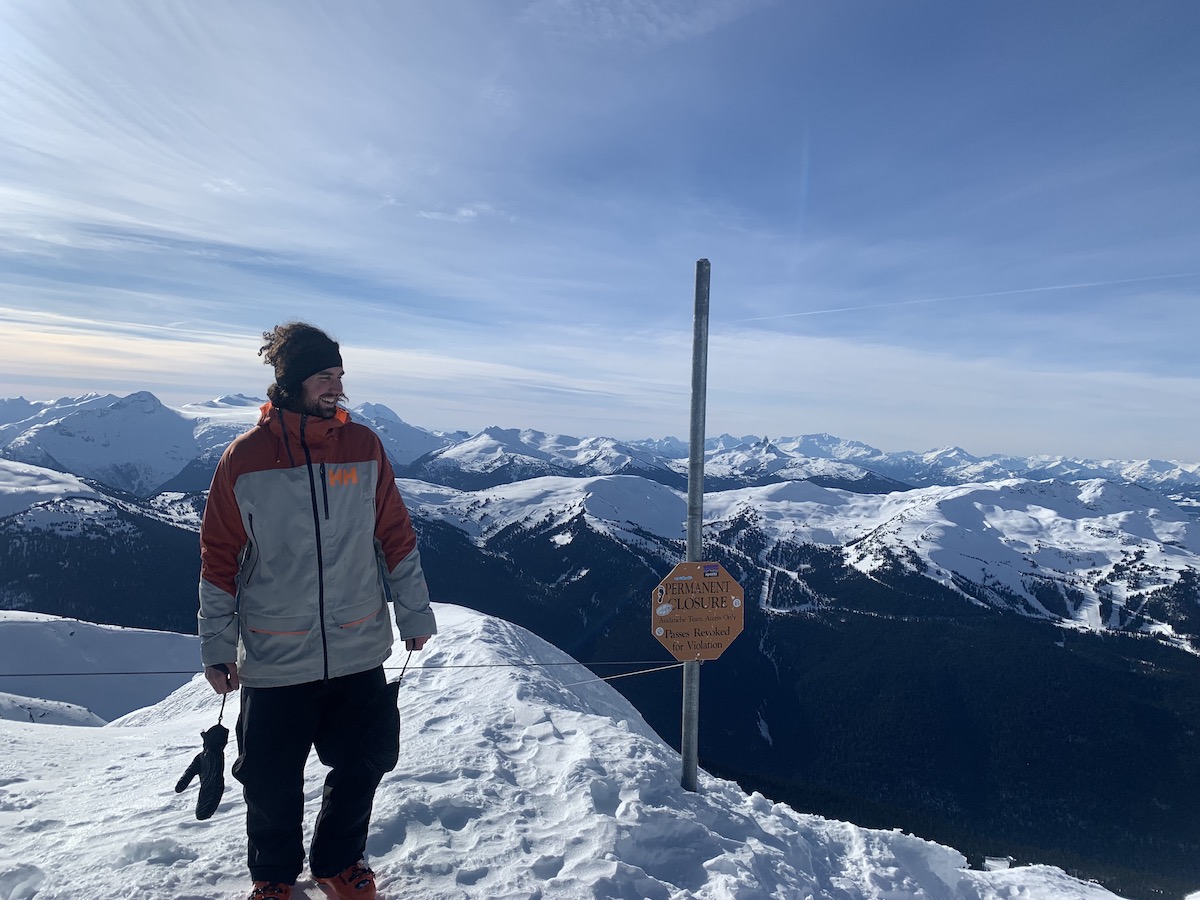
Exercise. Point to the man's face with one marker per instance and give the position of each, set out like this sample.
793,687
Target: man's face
322,392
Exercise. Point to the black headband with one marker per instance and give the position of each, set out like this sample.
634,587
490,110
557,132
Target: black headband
316,354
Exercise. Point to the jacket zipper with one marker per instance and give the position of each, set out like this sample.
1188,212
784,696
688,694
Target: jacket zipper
251,551
325,491
312,490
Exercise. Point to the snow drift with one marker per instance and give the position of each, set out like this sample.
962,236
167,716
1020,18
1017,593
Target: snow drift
522,776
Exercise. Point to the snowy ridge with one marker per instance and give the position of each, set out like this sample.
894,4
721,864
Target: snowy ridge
498,455
402,442
228,402
521,776
22,486
1088,552
136,444
612,504
1093,542
19,413
754,461
953,465
490,450
45,712
132,443
1099,548
35,497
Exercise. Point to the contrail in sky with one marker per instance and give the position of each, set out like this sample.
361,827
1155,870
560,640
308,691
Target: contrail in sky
1033,290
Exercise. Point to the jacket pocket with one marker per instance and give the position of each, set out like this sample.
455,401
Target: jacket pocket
273,641
356,613
284,626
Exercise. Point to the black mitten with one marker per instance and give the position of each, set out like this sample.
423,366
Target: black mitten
209,764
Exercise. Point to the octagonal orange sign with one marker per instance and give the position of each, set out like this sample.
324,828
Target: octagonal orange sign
697,611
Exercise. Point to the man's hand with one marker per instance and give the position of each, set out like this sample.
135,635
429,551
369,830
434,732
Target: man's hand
417,643
223,677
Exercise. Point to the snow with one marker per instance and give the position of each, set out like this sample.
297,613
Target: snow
765,458
38,652
20,414
22,486
1010,532
612,503
138,444
48,712
1093,540
494,448
229,403
522,776
135,443
402,442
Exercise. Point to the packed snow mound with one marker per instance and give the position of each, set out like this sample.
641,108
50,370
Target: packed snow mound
521,776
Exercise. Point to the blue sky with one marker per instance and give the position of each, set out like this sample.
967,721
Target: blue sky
929,223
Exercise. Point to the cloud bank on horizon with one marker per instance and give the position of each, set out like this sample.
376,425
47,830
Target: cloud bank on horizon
929,224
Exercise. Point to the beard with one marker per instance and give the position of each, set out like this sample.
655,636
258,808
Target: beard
324,407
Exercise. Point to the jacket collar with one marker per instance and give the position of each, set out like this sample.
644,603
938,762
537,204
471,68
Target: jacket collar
316,429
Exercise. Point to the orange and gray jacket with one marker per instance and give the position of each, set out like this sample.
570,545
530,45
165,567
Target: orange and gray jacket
303,540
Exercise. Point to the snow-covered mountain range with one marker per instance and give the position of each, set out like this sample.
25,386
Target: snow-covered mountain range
137,444
1092,543
522,775
1013,619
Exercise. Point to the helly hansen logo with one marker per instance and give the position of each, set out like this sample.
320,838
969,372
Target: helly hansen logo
343,475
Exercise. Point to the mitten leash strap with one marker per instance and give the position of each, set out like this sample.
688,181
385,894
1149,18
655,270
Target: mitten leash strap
404,668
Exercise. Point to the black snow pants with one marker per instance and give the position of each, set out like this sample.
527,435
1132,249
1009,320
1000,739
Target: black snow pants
355,726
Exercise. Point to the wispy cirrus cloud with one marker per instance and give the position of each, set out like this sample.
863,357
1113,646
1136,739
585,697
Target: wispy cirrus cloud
467,213
513,199
652,23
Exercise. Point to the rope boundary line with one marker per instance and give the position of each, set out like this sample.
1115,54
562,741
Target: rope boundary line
656,665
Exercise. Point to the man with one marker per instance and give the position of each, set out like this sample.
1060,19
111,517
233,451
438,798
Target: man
303,540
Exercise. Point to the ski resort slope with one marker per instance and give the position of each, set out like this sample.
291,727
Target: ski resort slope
522,776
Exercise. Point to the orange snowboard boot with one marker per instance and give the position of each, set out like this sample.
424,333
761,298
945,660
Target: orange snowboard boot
271,890
355,883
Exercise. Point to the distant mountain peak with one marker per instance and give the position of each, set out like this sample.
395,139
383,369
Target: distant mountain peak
377,411
231,400
143,400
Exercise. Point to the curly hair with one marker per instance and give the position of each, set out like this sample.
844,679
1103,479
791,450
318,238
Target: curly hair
296,350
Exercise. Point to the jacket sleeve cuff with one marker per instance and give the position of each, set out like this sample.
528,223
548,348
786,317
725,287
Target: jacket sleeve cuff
217,625
414,624
410,598
216,650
